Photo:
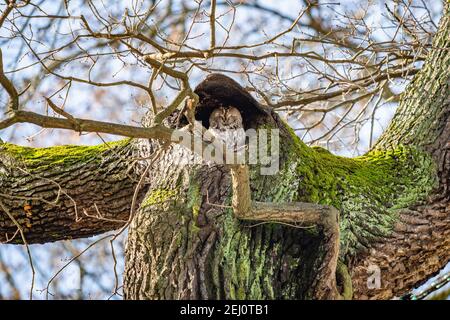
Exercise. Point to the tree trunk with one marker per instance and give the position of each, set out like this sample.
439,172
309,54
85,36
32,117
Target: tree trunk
184,241
393,204
419,243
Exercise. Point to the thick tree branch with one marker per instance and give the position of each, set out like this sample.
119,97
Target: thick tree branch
65,192
157,131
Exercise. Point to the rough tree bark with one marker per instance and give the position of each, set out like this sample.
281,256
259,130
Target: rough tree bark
184,241
65,192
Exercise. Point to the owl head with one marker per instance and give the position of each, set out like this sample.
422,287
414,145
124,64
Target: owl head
225,118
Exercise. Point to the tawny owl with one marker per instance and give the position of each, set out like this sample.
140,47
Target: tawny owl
225,124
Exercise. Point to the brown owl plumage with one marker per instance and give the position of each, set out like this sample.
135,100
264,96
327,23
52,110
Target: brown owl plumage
225,124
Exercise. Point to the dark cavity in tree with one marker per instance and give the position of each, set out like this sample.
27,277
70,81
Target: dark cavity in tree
218,90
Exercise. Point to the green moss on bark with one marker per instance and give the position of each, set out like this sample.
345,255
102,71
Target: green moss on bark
368,190
246,276
159,196
41,158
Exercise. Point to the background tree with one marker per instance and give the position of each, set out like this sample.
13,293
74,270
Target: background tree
331,71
